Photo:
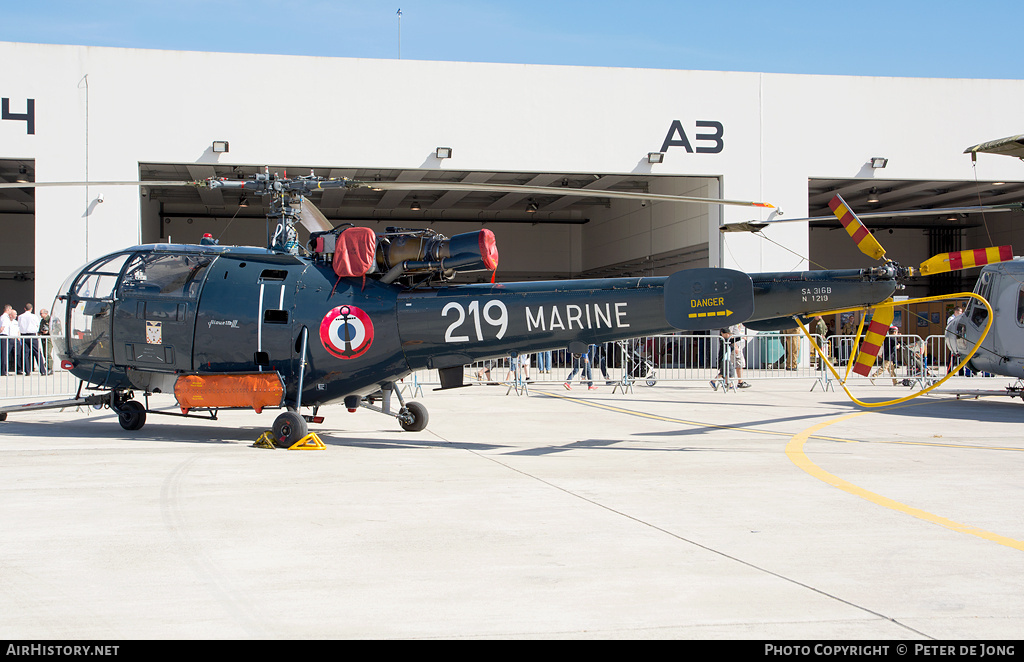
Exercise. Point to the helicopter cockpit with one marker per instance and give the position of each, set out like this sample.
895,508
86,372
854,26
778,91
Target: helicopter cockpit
153,288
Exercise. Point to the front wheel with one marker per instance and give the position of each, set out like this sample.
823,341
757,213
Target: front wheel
289,427
413,417
132,415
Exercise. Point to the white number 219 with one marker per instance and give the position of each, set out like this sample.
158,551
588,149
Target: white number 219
501,321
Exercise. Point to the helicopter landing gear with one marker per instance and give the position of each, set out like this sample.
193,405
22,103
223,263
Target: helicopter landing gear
131,415
288,428
413,417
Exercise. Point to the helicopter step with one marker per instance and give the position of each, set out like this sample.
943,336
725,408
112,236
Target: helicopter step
131,413
87,401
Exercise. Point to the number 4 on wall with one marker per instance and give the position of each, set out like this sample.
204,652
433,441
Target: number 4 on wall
29,116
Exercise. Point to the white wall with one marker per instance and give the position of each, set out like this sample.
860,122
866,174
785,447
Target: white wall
124,106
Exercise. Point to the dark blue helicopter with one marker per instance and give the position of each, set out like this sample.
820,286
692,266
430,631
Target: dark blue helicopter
354,311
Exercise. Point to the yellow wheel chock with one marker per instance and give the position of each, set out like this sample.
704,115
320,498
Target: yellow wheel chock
266,440
311,442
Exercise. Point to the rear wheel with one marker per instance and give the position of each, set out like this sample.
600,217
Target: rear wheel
413,417
132,415
289,427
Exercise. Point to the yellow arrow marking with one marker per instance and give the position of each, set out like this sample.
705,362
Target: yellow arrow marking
713,313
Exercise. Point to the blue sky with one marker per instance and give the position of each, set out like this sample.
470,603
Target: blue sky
936,39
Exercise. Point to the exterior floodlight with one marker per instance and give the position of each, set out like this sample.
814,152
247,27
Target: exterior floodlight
220,146
655,157
878,162
444,152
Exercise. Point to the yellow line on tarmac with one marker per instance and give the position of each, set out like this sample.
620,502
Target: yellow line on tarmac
669,419
777,433
795,452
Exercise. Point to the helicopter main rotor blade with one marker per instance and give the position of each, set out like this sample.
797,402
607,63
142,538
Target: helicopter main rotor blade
313,184
312,218
549,190
756,226
4,185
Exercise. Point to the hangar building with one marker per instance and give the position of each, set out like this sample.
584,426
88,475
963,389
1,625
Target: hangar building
85,114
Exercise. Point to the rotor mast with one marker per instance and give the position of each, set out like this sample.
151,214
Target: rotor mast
286,201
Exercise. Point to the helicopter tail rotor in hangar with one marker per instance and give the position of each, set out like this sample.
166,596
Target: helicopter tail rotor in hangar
869,344
942,263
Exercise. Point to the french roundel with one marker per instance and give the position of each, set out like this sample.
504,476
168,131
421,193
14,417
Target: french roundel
346,332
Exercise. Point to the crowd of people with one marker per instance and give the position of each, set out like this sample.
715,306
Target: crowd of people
898,351
24,341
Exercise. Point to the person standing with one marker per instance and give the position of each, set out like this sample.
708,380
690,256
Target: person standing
580,362
820,330
11,335
44,337
889,347
599,354
518,368
738,341
954,356
725,367
5,320
544,362
28,325
792,338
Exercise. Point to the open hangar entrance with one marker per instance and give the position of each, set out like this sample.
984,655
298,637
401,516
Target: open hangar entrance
18,236
910,240
538,236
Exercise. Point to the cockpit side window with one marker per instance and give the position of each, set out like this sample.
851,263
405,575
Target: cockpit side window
1020,306
977,312
89,312
165,275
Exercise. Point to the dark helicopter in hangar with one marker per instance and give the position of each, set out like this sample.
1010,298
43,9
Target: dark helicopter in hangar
347,316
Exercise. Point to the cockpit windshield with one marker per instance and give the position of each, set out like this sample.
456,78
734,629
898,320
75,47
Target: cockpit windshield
165,275
90,306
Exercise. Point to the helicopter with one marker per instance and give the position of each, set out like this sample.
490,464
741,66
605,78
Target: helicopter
347,316
1000,352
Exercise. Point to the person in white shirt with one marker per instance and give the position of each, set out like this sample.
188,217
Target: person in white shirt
28,322
739,344
10,342
28,325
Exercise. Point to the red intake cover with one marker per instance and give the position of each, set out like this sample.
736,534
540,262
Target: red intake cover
488,249
354,252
